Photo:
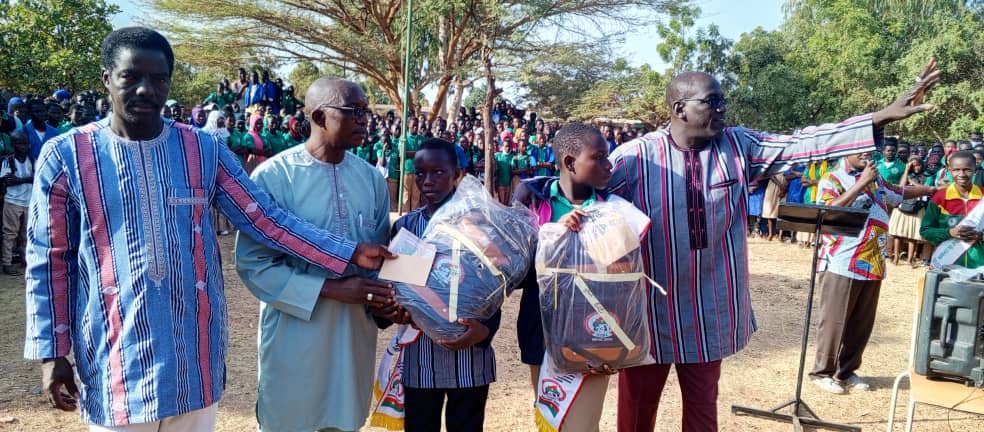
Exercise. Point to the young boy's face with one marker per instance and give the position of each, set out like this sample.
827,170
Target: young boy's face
435,175
591,165
19,143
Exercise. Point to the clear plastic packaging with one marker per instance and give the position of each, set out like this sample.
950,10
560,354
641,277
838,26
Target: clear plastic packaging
593,290
483,251
964,274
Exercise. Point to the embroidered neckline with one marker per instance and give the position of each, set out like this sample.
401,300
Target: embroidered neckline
669,139
159,139
309,158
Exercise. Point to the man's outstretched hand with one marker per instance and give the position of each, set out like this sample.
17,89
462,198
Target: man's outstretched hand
58,381
911,101
370,256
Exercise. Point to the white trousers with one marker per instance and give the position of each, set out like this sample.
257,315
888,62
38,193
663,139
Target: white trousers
202,420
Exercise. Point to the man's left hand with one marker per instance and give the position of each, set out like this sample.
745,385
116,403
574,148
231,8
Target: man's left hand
911,101
475,333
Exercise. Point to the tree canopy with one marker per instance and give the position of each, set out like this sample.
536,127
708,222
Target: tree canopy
367,38
49,44
828,60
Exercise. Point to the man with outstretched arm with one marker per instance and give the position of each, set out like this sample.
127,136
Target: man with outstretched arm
692,180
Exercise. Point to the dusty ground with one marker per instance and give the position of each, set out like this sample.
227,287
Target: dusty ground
763,375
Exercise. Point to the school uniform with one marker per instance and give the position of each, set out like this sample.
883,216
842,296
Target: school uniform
432,373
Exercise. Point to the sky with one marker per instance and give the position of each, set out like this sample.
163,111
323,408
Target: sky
731,16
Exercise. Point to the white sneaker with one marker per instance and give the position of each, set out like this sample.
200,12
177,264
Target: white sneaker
856,383
830,385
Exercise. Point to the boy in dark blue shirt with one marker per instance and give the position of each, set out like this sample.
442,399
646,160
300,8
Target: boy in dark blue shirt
460,369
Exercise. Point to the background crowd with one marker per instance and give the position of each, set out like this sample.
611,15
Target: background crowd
900,163
259,116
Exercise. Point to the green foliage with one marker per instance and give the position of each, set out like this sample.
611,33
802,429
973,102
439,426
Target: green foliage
302,75
829,60
629,93
767,92
685,48
859,55
48,44
558,76
475,97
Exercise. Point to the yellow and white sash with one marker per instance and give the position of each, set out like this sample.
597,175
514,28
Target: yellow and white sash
554,396
388,411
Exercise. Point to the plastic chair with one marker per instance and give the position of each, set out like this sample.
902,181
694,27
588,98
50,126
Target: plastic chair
945,394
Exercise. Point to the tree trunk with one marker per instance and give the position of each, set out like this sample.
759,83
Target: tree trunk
395,96
459,92
440,97
487,120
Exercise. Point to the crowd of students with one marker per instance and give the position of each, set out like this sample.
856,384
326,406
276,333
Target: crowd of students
901,164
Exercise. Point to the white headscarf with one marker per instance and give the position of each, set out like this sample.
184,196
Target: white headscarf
212,125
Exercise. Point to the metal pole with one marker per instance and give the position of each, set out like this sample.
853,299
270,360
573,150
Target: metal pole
406,107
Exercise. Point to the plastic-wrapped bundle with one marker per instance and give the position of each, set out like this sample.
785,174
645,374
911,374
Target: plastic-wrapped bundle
593,290
483,252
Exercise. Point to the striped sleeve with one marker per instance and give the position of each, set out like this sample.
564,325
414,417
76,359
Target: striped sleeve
52,258
772,154
624,170
251,210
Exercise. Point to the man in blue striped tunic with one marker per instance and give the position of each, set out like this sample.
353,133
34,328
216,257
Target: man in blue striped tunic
692,180
123,265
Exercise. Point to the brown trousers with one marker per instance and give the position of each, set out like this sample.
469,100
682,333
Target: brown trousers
13,226
847,316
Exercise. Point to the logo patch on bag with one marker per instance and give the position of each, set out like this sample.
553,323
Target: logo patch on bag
443,269
599,330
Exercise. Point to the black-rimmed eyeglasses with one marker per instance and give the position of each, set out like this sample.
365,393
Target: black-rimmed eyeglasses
352,111
714,102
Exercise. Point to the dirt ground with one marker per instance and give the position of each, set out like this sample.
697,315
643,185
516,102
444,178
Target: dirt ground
762,375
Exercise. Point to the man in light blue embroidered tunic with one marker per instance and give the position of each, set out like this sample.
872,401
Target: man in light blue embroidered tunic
317,340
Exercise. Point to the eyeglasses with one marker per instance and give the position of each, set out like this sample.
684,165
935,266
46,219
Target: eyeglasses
354,112
714,102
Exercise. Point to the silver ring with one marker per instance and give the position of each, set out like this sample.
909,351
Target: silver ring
918,79
369,297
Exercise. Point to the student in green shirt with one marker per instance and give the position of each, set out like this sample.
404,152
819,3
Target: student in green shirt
584,168
294,134
390,155
272,136
890,167
522,163
411,196
240,147
504,169
948,207
221,97
378,151
6,147
364,151
289,103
